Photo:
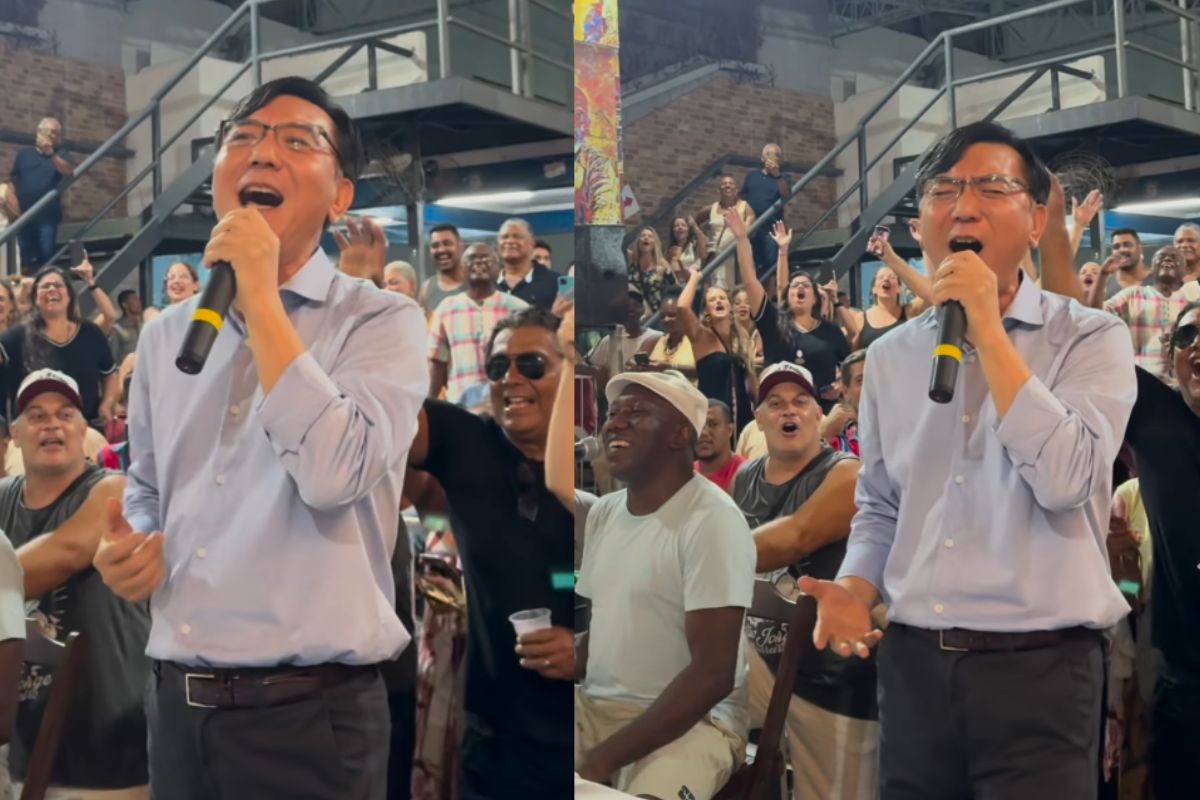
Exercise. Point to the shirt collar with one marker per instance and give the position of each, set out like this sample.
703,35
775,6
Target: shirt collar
1026,305
312,281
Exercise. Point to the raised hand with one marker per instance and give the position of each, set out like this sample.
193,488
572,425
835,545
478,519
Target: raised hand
362,250
843,621
782,234
734,223
1084,213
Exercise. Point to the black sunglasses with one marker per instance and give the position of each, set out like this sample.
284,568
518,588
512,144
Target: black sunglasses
1184,337
529,365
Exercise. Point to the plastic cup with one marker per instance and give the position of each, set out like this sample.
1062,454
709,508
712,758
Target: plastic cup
530,620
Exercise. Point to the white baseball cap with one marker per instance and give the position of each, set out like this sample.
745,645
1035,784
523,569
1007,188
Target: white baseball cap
784,372
47,380
671,386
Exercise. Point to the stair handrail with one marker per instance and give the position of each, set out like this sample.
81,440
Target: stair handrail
943,42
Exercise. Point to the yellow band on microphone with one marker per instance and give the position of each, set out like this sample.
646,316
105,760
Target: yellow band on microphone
214,319
948,350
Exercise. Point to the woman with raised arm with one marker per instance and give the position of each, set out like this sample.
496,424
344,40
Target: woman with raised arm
886,311
723,351
691,241
794,332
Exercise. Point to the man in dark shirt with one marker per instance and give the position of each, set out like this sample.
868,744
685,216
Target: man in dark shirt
516,543
522,276
37,171
760,190
1164,434
55,514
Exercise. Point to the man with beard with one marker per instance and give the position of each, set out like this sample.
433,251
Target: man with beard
1149,310
524,277
446,248
55,514
799,500
461,326
982,522
668,566
1128,266
715,458
514,537
263,505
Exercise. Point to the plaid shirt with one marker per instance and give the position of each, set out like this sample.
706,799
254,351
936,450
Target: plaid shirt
458,334
1149,315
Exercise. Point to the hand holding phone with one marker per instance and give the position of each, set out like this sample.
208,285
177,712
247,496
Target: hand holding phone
566,287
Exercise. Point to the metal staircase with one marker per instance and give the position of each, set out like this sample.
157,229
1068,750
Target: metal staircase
1124,129
445,112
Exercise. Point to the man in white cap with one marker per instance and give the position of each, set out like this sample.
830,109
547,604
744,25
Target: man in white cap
55,515
668,566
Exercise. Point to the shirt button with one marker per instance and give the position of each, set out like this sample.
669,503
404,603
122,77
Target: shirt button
949,543
957,479
202,552
938,608
221,480
966,418
186,629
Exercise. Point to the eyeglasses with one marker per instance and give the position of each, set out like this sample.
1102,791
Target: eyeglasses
987,187
294,136
529,365
1184,337
46,286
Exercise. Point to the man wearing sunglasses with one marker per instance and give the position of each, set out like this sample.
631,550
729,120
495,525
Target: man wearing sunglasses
516,542
1164,434
263,496
981,522
462,324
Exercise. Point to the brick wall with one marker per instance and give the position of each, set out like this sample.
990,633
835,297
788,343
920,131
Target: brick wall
667,148
89,101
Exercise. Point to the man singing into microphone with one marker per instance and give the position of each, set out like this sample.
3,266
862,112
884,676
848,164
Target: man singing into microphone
982,521
263,498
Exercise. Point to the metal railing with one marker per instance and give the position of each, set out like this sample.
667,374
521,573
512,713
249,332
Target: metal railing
943,45
519,41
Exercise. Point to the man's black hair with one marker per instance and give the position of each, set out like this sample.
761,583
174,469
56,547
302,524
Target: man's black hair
125,295
345,133
850,360
1127,232
446,226
543,245
726,411
532,317
950,150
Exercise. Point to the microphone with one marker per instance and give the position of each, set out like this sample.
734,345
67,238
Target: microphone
207,319
588,449
952,327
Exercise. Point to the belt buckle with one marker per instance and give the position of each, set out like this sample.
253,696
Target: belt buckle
943,646
187,688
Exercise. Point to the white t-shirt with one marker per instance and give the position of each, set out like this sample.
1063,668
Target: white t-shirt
643,574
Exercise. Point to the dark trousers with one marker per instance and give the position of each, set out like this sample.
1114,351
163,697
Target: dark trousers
331,746
1175,735
766,252
403,710
989,726
500,766
37,244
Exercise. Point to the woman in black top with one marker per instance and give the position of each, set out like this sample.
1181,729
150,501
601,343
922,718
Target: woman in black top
886,311
59,338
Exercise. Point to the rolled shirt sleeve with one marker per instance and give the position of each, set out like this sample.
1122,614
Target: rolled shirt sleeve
338,434
1064,439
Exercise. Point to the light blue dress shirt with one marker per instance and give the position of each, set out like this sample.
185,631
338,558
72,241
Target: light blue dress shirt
967,521
279,513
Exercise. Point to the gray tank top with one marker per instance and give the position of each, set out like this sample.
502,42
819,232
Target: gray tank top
435,294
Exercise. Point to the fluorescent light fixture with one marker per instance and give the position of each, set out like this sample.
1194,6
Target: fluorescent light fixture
1152,206
472,200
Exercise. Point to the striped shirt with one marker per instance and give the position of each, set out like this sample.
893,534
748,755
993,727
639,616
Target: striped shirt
1149,314
458,335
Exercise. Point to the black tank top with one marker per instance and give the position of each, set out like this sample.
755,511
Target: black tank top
870,333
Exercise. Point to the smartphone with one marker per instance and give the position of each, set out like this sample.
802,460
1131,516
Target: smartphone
641,359
78,254
433,564
566,287
883,232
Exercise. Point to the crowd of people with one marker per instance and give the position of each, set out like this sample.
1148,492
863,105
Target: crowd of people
985,625
294,572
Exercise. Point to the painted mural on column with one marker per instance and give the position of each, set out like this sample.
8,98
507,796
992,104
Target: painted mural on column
597,114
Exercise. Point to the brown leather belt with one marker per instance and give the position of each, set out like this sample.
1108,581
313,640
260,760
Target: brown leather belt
961,640
256,687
